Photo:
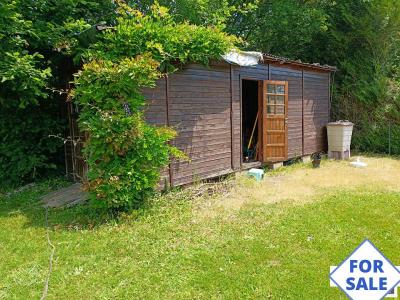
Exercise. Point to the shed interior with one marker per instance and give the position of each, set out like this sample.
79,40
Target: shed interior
250,120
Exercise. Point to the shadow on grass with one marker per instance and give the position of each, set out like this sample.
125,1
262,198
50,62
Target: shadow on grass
27,202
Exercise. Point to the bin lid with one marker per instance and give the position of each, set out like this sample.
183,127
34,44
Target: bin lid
341,123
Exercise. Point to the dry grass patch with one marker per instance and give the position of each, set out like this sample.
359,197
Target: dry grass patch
300,183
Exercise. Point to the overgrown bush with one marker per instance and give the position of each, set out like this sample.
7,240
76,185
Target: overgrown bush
125,154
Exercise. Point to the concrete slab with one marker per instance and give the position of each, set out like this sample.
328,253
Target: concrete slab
274,166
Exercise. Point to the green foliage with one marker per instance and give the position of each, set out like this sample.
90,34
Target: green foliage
364,40
22,79
201,12
125,154
26,150
281,27
25,124
169,43
38,40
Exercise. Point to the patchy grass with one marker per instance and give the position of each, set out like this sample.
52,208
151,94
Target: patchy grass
268,243
300,183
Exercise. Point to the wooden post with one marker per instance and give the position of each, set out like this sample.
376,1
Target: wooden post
269,71
241,121
231,115
302,112
171,182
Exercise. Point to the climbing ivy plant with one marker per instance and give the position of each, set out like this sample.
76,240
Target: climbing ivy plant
125,154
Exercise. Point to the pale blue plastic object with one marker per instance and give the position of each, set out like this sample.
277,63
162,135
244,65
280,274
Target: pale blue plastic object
258,174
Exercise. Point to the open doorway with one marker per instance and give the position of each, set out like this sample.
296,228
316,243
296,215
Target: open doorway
250,121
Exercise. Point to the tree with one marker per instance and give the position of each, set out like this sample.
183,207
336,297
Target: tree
363,40
281,27
199,12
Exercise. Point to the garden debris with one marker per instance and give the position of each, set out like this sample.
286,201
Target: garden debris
212,188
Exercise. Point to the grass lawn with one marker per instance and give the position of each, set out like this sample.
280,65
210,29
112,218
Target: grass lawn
270,240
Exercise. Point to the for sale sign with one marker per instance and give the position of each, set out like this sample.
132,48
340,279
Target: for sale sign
366,274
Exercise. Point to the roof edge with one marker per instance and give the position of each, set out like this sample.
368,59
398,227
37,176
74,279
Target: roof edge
283,60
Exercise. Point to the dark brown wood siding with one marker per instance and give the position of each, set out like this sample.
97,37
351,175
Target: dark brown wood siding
204,105
199,108
316,111
200,111
156,114
156,109
316,104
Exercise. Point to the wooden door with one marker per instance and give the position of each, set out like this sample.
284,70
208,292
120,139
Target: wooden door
274,125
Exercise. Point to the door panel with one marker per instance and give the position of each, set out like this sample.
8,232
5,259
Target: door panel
274,125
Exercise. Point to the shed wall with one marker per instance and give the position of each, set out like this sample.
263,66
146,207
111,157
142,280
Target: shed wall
294,78
316,111
199,108
156,114
204,105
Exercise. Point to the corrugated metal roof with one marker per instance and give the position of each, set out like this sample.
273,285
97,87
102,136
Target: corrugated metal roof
243,58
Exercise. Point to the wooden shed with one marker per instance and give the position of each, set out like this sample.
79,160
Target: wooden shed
283,105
